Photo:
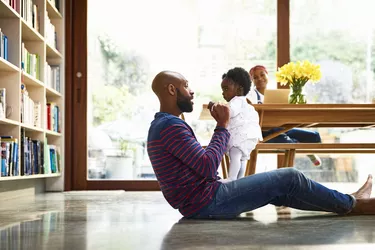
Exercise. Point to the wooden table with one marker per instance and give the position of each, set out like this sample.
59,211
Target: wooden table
311,115
290,116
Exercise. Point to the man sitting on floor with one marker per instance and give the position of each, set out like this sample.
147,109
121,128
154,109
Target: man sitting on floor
187,173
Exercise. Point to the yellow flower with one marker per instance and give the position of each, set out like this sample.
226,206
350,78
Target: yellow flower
298,73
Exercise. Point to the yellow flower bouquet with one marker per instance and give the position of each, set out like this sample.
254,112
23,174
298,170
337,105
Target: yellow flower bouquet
297,75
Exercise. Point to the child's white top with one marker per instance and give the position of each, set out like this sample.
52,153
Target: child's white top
243,123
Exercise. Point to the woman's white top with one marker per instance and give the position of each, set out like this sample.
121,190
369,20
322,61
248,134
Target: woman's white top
243,124
255,96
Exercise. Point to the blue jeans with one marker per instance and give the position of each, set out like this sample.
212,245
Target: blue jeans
282,187
293,136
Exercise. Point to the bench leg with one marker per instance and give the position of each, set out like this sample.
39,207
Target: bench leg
227,162
252,163
224,167
292,156
284,160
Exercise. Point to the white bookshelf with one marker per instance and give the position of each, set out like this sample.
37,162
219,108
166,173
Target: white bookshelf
34,176
12,76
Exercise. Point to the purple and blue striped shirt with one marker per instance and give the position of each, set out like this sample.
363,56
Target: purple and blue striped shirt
186,172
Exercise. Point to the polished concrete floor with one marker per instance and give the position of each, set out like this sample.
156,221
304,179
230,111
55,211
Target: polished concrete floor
143,220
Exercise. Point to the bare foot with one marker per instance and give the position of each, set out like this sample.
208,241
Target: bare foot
365,191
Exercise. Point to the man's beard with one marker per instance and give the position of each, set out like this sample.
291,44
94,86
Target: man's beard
183,102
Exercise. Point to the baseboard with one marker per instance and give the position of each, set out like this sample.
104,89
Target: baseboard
21,189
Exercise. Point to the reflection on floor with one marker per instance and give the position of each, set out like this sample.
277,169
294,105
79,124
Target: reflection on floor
143,220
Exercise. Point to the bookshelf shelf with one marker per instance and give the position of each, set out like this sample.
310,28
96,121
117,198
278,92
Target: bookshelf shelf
52,52
28,78
52,11
34,176
7,66
31,81
52,93
31,128
5,121
52,133
29,33
7,11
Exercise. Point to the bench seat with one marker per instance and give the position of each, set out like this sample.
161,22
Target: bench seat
289,150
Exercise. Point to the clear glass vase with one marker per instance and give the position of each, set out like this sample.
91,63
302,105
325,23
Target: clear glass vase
297,94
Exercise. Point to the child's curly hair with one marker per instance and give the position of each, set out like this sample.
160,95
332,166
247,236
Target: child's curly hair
239,76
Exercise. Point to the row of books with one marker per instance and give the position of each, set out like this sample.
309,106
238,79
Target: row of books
30,13
53,77
53,117
27,6
32,155
9,156
51,35
52,158
12,3
36,157
3,45
31,111
30,63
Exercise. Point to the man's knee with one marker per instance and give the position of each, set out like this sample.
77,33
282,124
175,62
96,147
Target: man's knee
291,172
290,179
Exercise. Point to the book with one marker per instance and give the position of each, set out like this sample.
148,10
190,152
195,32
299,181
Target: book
13,156
5,44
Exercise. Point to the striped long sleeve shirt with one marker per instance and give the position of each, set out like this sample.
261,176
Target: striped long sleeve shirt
186,172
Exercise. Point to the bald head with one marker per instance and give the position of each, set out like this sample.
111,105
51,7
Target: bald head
173,92
163,79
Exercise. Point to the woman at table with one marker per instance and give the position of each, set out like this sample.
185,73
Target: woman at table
259,77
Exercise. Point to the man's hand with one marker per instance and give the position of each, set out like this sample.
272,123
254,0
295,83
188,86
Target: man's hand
221,113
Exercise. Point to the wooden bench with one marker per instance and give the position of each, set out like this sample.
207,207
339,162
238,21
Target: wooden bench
289,150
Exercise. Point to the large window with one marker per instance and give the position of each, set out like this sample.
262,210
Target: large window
340,36
130,41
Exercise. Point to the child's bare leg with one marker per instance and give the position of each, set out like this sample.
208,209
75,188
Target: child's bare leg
235,155
241,173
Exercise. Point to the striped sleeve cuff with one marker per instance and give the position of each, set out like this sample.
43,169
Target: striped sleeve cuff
220,128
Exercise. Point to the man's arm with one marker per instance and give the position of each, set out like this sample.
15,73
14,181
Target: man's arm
180,142
234,106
